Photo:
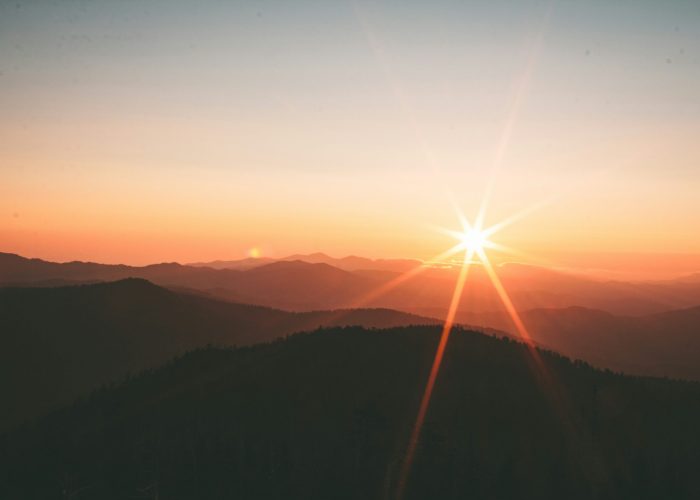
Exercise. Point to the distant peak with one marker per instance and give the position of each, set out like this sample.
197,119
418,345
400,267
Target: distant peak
128,283
319,255
292,264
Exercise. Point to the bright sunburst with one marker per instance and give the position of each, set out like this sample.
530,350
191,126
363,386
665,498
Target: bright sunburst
474,240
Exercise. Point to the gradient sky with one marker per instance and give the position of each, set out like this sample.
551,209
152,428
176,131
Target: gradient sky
148,131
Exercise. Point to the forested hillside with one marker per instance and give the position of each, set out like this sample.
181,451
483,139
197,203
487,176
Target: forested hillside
59,343
328,415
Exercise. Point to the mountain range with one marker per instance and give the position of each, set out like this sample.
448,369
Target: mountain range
661,338
662,344
349,263
61,342
297,285
182,381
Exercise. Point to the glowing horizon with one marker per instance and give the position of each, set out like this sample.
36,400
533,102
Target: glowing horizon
195,131
132,134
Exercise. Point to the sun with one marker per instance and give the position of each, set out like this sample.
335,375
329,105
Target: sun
474,240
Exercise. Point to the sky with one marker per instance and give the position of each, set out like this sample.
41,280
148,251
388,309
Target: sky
141,132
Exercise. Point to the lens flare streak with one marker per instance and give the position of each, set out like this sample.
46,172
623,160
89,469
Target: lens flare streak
474,240
434,370
505,298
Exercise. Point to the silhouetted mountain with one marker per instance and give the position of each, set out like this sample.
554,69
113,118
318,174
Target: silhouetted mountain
349,263
297,286
664,344
292,285
303,286
16,270
690,278
238,265
56,343
328,415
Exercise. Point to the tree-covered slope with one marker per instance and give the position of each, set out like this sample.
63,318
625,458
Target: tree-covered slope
328,415
58,343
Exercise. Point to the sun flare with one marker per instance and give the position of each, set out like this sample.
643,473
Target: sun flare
474,240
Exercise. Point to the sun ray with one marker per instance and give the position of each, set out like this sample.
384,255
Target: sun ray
400,94
472,239
526,257
505,298
402,278
521,87
466,226
450,232
553,389
499,247
434,370
490,231
364,300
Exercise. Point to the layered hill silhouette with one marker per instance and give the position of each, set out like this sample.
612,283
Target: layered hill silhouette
663,344
60,342
292,285
559,310
349,263
569,313
305,286
328,415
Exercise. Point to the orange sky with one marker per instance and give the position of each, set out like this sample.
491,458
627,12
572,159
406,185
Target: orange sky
341,128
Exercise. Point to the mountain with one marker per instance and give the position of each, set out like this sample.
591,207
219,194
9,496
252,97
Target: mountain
662,344
303,286
238,265
292,285
349,263
296,286
329,414
16,270
690,279
58,343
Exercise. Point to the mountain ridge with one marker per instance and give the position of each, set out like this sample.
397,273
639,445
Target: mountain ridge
347,263
665,344
323,286
90,334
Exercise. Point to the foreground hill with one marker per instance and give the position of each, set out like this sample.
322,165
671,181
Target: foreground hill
664,344
57,343
328,415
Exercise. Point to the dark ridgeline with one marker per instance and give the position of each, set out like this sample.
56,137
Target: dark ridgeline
292,285
659,345
659,340
59,343
327,415
303,286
